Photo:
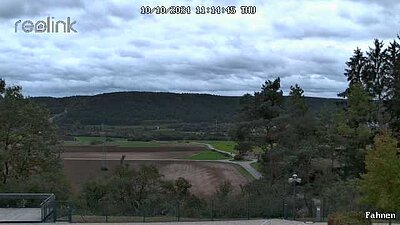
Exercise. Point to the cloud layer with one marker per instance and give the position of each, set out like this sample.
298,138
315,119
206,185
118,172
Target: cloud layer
119,49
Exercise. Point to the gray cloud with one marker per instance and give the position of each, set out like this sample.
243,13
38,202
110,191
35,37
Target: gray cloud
118,49
13,9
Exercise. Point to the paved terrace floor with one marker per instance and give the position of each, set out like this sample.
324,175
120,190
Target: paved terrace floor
20,214
243,222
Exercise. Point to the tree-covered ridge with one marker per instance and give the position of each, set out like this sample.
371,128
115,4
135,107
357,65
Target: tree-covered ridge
131,108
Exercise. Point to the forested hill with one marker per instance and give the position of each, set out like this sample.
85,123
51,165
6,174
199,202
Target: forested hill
129,108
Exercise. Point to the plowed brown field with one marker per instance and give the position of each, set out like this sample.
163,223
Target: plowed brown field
84,163
205,177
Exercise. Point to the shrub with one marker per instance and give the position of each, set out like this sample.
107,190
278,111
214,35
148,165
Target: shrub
96,142
350,218
238,157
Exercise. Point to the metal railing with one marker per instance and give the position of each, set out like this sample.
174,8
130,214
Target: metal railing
47,207
44,201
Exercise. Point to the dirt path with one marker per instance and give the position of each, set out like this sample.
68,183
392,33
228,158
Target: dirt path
245,164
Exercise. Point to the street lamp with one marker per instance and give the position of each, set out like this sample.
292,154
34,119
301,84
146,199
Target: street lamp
294,179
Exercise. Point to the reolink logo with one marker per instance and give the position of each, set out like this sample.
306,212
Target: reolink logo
46,26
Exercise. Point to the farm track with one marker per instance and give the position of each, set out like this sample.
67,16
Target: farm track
245,164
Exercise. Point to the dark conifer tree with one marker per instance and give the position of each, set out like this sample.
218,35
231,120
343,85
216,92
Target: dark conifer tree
374,75
393,85
354,69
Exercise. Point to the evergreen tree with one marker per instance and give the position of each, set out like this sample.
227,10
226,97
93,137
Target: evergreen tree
258,113
392,102
354,70
356,128
258,123
374,75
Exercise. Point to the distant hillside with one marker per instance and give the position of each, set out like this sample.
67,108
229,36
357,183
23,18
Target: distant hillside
130,108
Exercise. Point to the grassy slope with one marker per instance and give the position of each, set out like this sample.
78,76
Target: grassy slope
228,146
208,155
256,166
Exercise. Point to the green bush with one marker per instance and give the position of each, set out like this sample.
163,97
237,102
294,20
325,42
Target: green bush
350,218
96,142
238,157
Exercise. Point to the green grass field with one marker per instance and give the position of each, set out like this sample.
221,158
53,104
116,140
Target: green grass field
137,144
121,142
85,139
228,146
208,155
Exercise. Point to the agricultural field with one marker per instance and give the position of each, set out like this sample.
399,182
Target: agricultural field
121,142
83,161
82,153
205,177
228,146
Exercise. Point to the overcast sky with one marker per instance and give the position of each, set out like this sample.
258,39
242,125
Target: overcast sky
119,49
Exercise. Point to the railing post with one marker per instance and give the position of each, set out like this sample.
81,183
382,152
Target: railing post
70,212
178,210
42,213
212,210
55,212
144,214
106,210
248,209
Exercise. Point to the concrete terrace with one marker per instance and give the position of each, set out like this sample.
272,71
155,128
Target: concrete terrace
242,222
20,214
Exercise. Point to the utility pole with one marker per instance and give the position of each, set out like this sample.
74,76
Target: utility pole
104,163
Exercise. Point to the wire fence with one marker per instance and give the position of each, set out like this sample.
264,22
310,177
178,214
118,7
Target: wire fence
211,210
175,210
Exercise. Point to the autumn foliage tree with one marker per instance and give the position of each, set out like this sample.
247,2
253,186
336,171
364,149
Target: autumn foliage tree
29,147
380,184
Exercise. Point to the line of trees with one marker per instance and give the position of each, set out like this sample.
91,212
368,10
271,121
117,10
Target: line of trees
134,192
353,146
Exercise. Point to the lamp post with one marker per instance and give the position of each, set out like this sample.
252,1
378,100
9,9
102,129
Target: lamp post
294,179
